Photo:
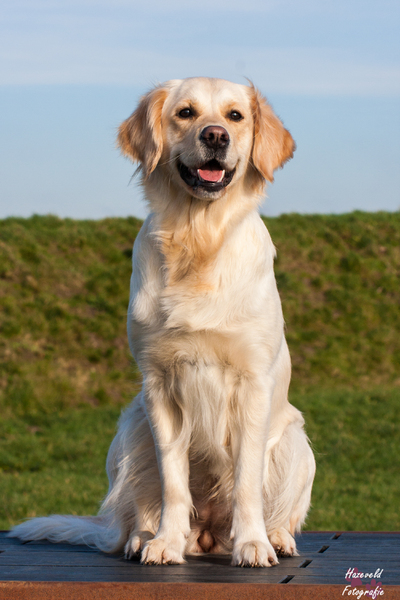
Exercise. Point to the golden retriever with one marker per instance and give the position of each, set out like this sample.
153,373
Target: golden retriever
210,456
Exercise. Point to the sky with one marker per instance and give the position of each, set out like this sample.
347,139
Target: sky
72,70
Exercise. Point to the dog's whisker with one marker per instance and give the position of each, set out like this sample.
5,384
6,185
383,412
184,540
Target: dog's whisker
170,160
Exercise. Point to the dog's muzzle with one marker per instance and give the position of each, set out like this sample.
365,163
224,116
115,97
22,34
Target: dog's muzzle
210,176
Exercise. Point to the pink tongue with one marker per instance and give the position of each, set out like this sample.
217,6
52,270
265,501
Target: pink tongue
210,175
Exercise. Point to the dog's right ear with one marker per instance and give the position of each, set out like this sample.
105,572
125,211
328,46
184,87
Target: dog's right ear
140,136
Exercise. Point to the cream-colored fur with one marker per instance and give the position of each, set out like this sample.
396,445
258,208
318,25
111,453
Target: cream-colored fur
210,456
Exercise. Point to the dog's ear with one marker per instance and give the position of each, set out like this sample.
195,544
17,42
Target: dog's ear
140,136
273,145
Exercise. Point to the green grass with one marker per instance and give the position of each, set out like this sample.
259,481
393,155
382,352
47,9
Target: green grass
64,289
355,436
65,369
338,276
54,463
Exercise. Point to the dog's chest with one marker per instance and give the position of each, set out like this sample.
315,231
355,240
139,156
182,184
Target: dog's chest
233,289
232,304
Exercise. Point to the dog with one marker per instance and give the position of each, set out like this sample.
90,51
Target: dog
210,456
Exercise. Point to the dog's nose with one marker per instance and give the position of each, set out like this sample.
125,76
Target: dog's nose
215,137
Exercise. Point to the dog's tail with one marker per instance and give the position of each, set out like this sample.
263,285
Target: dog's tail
99,532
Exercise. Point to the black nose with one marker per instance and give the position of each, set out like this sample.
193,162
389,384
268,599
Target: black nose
215,137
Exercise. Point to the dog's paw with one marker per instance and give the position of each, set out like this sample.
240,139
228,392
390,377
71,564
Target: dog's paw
160,551
283,543
254,554
136,542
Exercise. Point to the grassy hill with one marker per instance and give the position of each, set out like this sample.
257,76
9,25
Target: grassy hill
65,368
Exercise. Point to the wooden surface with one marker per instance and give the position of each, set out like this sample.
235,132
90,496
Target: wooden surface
30,570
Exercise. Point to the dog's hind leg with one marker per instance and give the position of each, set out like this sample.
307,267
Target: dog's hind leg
135,491
300,511
136,542
283,542
289,474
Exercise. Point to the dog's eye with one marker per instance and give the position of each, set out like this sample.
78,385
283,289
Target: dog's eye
186,113
234,115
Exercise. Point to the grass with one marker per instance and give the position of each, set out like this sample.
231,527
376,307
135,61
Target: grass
64,289
55,463
338,276
355,436
65,369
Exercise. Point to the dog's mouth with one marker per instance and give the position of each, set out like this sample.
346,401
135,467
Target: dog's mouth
210,176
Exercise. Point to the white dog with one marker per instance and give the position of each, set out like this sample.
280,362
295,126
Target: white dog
210,456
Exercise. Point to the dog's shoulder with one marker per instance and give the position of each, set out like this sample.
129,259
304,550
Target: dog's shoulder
146,278
250,245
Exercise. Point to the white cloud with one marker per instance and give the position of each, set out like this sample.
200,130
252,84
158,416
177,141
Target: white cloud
313,71
126,42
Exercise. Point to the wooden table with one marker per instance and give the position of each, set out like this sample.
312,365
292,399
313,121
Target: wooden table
40,570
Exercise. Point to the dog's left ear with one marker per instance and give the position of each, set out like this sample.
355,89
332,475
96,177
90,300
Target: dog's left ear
140,136
273,145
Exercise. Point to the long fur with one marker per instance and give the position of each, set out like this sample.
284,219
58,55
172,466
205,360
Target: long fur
210,456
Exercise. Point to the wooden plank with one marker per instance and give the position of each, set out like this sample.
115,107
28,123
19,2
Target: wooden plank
155,574
102,560
13,557
6,544
386,553
42,561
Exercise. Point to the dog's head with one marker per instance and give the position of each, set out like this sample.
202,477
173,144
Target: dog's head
206,135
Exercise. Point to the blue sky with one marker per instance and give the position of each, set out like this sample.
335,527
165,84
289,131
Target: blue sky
72,70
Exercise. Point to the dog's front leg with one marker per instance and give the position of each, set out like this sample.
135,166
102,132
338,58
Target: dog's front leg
251,546
168,545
